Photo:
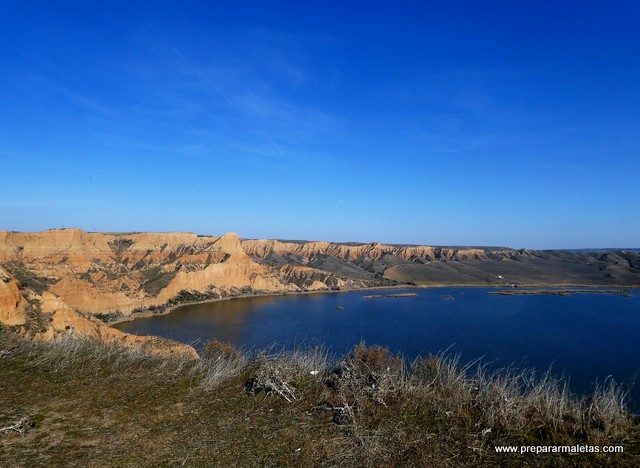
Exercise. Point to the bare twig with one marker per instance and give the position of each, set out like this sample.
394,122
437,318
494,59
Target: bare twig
21,427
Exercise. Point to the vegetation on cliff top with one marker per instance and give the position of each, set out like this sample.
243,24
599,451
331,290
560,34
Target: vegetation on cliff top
81,403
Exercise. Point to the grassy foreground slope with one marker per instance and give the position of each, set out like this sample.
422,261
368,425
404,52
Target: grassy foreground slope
83,403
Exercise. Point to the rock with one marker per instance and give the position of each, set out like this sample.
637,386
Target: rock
11,302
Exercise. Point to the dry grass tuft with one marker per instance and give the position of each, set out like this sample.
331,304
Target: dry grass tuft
510,403
219,362
72,353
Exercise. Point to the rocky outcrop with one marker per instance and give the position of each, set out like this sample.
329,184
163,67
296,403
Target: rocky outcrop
55,281
65,321
11,303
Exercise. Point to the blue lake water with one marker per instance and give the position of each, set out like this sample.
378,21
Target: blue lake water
586,337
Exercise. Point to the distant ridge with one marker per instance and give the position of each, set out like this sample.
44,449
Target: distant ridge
607,249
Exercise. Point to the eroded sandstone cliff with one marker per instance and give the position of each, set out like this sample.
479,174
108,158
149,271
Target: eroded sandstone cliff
61,282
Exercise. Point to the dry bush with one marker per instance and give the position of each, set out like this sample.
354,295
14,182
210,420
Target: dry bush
284,372
373,358
368,374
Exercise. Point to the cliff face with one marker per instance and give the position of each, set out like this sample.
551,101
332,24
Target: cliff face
100,273
11,303
360,254
56,282
426,265
96,272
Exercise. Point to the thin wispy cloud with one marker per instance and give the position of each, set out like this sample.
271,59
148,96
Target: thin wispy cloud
264,113
205,80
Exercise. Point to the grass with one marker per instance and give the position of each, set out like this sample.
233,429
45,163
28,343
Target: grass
91,404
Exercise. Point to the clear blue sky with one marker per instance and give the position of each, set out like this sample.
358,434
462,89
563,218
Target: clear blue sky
467,123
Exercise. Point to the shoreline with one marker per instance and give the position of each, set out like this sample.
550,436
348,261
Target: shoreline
169,309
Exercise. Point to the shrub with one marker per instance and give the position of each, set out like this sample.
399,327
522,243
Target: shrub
368,373
284,373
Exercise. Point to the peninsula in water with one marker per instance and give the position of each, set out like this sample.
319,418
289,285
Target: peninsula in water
559,292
